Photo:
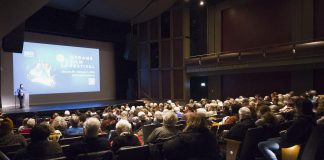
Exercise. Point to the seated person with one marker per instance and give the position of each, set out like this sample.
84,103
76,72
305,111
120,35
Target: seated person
167,130
31,122
196,142
74,130
234,114
40,147
124,136
91,141
7,137
297,133
237,132
266,118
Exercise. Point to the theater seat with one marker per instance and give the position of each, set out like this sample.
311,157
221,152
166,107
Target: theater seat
290,153
3,156
134,153
314,144
148,129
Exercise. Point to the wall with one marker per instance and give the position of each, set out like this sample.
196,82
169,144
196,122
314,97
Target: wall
235,25
107,72
162,46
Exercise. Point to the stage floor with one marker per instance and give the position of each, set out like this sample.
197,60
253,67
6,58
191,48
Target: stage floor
68,106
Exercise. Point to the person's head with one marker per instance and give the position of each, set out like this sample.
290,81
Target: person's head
31,122
196,122
244,113
123,126
75,121
40,133
91,127
170,119
158,117
21,85
6,126
141,116
304,106
59,123
235,108
67,113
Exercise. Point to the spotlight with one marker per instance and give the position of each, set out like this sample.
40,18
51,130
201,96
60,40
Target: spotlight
202,3
294,49
203,84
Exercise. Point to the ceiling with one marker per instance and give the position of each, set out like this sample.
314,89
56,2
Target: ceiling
118,10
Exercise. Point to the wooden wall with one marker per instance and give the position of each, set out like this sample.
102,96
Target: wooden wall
161,55
255,24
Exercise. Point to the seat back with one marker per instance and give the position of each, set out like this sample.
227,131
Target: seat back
313,143
249,146
66,141
3,156
10,148
148,129
134,153
106,155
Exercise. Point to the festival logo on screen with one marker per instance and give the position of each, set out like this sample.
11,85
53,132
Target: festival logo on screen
42,73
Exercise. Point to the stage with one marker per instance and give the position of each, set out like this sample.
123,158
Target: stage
68,106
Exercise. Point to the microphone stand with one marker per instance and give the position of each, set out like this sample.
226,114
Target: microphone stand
15,100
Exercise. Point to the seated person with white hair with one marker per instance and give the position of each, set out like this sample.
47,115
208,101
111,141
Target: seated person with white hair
74,130
91,142
237,132
125,137
166,131
31,122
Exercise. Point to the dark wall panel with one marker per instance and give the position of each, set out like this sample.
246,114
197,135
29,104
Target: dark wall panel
144,83
166,84
319,81
255,83
177,23
319,18
257,23
155,84
178,84
177,53
165,53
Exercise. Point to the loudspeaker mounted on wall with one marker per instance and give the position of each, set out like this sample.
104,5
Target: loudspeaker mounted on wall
14,41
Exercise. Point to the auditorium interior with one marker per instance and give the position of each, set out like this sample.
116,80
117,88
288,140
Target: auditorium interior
161,80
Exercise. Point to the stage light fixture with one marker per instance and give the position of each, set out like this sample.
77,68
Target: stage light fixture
203,84
201,3
294,49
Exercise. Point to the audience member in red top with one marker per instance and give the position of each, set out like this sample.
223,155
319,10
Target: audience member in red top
30,124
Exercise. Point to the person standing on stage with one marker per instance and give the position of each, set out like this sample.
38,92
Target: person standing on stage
21,95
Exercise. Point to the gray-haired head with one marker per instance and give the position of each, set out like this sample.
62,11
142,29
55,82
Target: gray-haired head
91,127
123,126
170,119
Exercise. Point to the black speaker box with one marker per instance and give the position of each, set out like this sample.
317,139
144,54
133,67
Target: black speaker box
14,41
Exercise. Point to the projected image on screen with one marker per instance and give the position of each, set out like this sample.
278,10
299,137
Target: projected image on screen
47,69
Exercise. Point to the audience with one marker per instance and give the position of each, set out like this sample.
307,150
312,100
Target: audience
168,129
74,129
297,133
7,137
196,141
91,142
40,147
124,126
237,132
124,137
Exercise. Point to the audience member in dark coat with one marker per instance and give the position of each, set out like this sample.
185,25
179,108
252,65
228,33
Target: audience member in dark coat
7,137
40,147
237,132
125,137
197,142
168,129
297,133
91,141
